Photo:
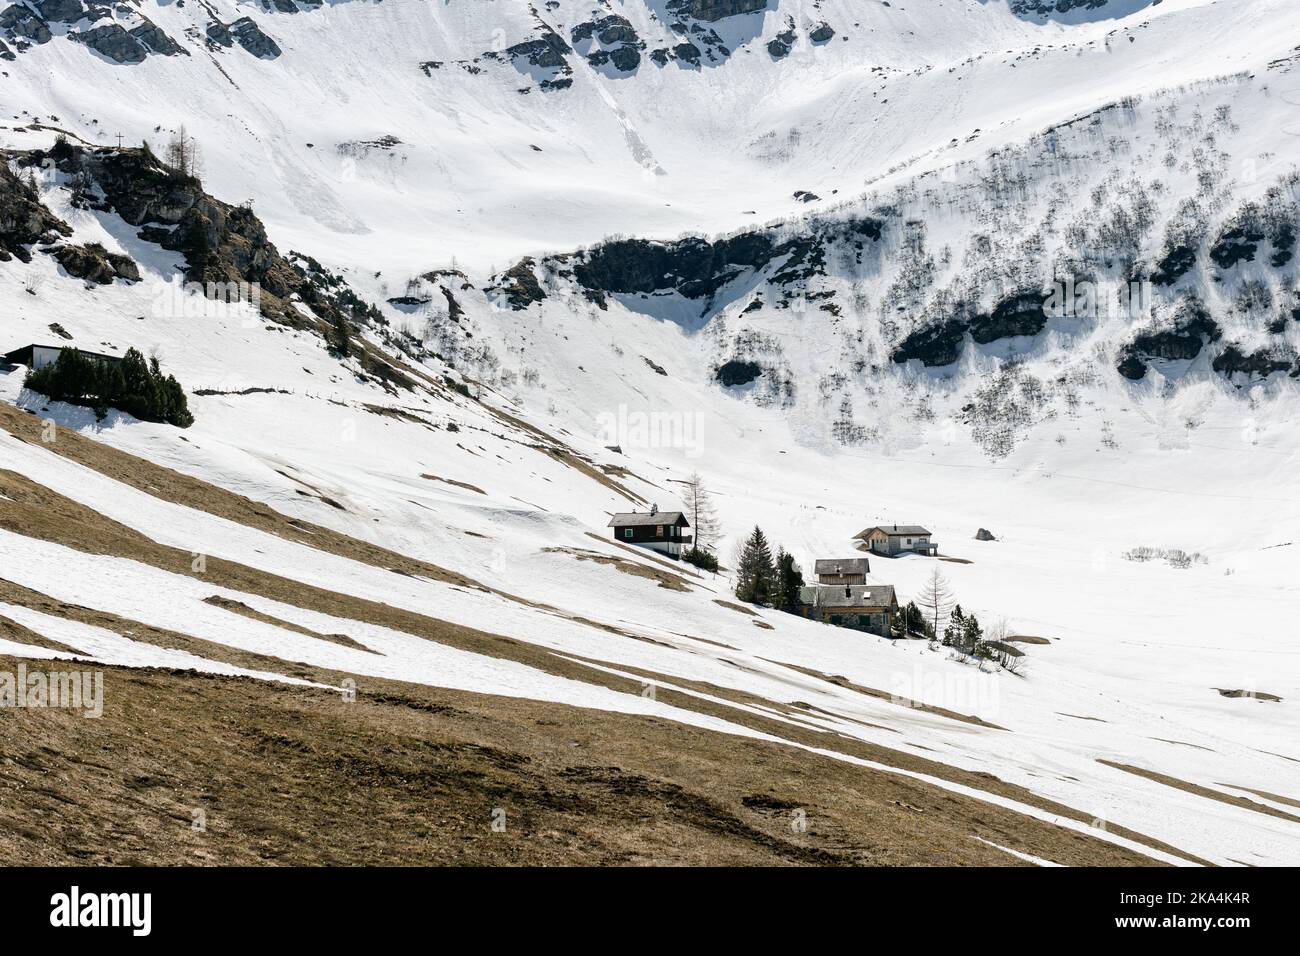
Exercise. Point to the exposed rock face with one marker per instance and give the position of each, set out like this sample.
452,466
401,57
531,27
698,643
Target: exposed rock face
24,220
94,263
250,36
698,268
247,34
618,42
155,41
1263,362
1191,332
713,10
935,345
1043,8
520,286
781,44
60,11
983,534
112,41
822,34
20,23
1020,314
736,372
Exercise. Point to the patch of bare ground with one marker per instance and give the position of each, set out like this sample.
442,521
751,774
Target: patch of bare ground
169,485
1289,801
643,554
735,607
553,447
452,481
951,560
18,634
665,579
243,610
1248,694
1182,743
844,682
1027,639
1200,791
415,775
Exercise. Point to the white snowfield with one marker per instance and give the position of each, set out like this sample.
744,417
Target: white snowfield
910,108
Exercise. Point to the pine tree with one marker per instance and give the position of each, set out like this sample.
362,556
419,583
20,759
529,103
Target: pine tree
340,338
972,635
789,579
952,634
755,575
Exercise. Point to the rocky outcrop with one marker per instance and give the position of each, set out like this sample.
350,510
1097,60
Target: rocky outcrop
736,372
1232,361
21,25
24,219
1191,332
611,39
823,34
1043,8
934,345
60,11
112,41
698,268
155,41
94,263
247,34
520,287
711,11
940,343
781,44
983,534
1016,315
250,36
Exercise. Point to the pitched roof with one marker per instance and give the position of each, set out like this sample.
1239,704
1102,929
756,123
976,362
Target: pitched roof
841,566
847,596
637,519
894,529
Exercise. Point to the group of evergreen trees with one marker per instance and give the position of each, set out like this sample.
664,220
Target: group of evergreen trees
134,385
964,633
764,578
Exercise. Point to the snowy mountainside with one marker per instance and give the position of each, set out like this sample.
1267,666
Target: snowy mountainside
438,494
361,136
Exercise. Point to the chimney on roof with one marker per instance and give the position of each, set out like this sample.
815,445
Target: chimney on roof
654,509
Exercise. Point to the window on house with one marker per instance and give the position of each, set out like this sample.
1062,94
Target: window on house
627,532
659,531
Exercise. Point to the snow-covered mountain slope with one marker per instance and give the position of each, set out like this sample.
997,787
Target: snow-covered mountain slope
352,142
876,373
